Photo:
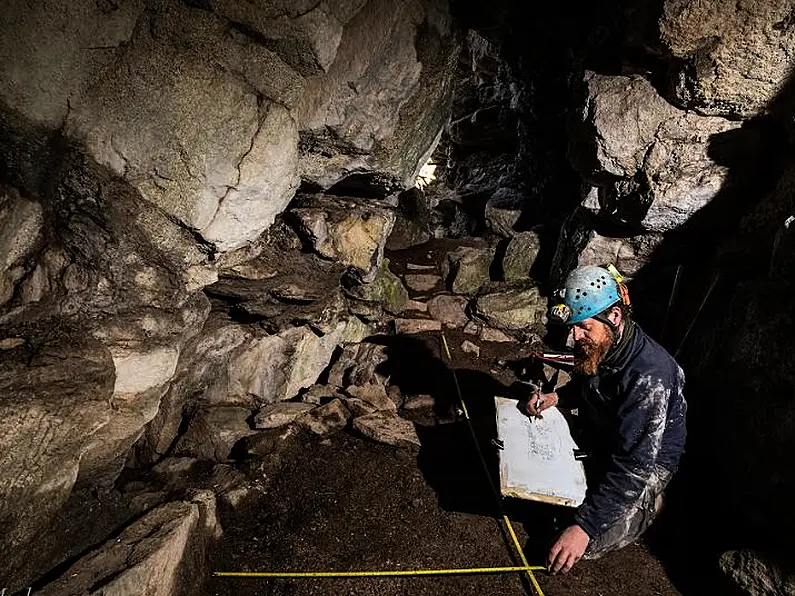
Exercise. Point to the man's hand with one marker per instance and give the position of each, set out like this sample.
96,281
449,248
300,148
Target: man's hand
540,402
568,549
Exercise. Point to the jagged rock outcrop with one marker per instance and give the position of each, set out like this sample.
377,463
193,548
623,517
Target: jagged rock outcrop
650,161
162,554
731,58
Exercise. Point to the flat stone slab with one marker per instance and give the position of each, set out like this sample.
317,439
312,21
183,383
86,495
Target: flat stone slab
412,326
389,428
280,414
422,282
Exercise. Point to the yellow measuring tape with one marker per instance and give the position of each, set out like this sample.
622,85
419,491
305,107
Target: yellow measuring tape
397,573
505,519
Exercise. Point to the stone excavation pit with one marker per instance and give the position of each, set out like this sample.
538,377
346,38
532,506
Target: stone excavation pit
234,233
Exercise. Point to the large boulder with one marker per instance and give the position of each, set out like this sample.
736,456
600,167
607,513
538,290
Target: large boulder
512,307
350,231
503,210
386,290
228,179
162,554
466,268
649,161
383,101
41,79
731,58
520,255
213,432
627,254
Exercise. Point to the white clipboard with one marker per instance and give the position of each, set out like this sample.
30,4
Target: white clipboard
537,462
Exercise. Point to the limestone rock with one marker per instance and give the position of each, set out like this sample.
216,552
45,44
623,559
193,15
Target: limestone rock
160,554
280,414
503,210
305,34
375,395
757,574
318,394
358,407
350,231
213,432
412,326
383,101
412,222
520,255
419,402
471,348
359,364
41,81
494,335
389,428
21,223
326,420
49,416
385,290
649,161
732,59
627,254
466,268
449,310
512,307
228,182
422,282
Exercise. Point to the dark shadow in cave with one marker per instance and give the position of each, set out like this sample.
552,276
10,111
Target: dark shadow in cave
712,505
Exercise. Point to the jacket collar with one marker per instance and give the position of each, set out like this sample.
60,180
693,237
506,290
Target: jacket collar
619,354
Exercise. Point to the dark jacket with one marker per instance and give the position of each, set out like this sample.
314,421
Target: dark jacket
635,410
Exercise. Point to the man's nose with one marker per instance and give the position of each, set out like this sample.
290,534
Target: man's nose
578,333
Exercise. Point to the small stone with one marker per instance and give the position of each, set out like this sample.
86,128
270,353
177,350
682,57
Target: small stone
267,442
471,348
10,343
422,282
358,407
389,428
494,335
375,395
449,310
280,414
416,267
393,391
325,420
319,394
235,496
416,306
412,326
418,402
472,328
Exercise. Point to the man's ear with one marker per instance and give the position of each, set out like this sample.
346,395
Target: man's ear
615,316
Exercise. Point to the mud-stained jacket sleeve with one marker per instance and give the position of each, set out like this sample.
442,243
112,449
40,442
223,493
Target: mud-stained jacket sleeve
642,419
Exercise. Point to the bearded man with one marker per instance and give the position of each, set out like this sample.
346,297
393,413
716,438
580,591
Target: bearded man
631,411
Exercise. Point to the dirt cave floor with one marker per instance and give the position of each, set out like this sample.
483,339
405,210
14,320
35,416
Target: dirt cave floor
346,503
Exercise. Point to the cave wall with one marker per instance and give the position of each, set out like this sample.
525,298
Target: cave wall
145,145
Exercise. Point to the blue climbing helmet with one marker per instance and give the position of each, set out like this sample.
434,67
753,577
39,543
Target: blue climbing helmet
588,292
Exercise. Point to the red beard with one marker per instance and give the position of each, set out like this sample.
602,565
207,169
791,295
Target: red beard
588,355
